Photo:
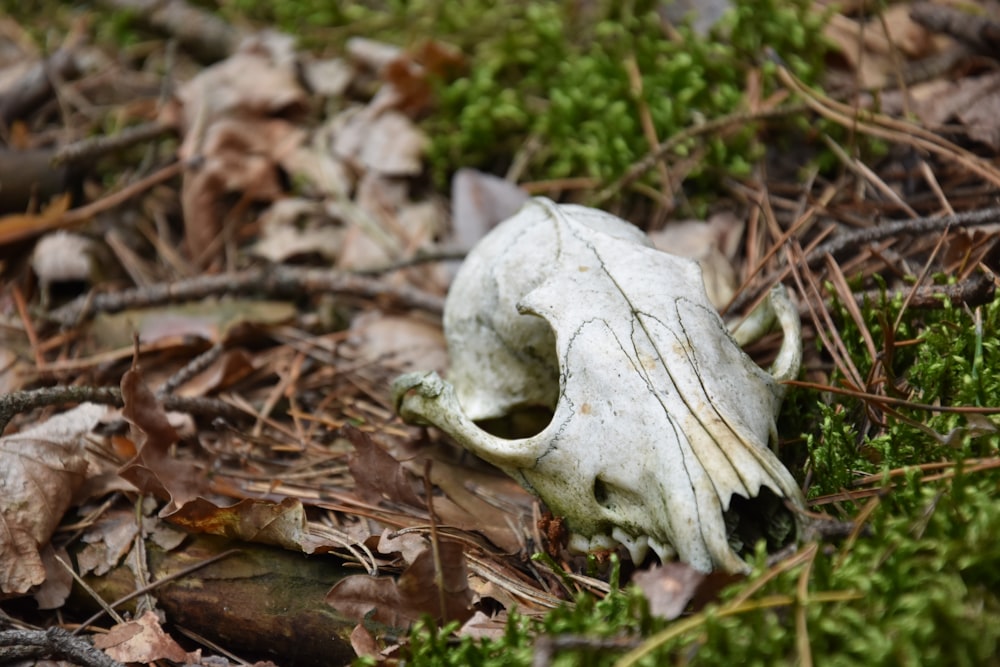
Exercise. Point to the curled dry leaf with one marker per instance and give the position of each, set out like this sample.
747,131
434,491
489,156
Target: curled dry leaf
873,52
281,524
669,588
973,101
40,469
377,475
153,469
713,244
230,122
479,201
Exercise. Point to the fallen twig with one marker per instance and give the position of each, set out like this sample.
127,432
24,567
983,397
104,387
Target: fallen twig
850,241
91,148
976,291
22,401
277,281
53,642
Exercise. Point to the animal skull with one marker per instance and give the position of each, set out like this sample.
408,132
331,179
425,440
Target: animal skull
659,417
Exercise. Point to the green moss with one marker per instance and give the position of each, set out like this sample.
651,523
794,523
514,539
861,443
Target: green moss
923,588
920,586
563,80
942,363
548,79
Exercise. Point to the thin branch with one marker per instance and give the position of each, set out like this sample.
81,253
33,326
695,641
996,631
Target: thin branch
277,281
23,401
91,148
850,241
54,642
636,171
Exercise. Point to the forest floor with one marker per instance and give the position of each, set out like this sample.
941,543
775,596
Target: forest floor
219,247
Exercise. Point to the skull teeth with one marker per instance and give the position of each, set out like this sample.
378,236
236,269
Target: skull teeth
637,547
582,544
664,551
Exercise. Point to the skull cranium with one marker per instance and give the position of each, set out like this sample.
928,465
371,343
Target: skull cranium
658,416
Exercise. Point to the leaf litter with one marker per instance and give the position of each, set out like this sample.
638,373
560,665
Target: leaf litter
301,161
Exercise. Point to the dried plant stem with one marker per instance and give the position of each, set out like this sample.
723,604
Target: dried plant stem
657,155
692,622
890,129
277,281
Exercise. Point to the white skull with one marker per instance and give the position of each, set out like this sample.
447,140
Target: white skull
659,417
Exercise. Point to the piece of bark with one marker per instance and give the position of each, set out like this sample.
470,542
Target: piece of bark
35,86
28,177
200,33
263,603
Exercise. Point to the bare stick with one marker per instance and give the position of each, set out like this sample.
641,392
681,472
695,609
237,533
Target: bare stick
22,401
912,227
91,148
54,642
278,281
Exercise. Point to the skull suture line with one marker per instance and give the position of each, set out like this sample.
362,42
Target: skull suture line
659,417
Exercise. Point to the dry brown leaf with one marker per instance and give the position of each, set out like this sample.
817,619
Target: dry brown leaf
388,143
154,470
974,101
228,369
58,584
107,541
364,643
466,507
250,520
237,155
982,118
407,545
40,470
420,590
296,227
141,641
423,588
394,146
479,201
398,342
245,84
875,56
209,319
377,475
669,588
229,120
365,598
713,244
329,77
481,626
